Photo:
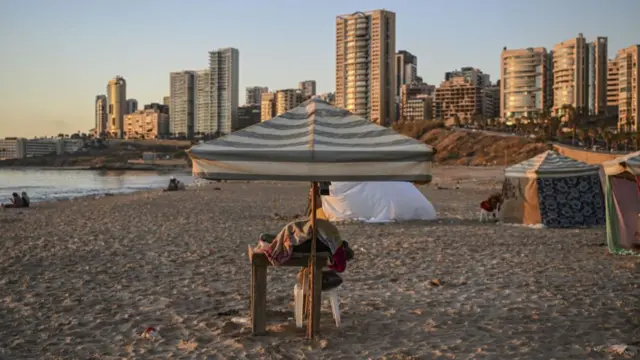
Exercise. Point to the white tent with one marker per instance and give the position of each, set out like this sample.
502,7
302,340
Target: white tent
376,202
314,142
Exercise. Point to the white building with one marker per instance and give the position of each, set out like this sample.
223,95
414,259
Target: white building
224,66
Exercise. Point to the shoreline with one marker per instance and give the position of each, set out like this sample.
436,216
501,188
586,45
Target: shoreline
154,168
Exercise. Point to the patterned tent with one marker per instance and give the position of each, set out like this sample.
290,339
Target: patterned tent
314,142
622,202
552,190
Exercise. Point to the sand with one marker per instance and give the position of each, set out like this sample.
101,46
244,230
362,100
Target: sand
83,279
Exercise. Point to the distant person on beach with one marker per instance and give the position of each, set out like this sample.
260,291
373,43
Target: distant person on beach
25,199
16,202
174,184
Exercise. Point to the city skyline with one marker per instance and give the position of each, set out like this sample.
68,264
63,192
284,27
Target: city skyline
78,67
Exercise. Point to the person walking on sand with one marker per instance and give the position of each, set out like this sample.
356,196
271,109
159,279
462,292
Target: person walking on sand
16,202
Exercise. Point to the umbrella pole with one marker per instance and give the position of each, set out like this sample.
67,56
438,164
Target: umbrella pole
312,266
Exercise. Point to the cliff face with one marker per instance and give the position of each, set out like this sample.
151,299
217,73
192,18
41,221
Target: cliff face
455,147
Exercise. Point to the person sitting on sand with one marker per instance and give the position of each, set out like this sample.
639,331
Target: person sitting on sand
25,199
16,202
173,184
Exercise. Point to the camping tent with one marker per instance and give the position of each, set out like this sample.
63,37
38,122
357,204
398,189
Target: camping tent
376,202
552,190
314,142
622,202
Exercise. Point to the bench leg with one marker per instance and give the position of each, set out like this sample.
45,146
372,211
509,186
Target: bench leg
258,300
317,301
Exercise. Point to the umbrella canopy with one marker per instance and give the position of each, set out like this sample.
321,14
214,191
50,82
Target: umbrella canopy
550,164
627,163
314,142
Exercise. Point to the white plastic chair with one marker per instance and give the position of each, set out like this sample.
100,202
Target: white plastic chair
331,295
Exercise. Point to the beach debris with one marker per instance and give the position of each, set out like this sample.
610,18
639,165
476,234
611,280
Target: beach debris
151,333
228,312
435,282
241,320
619,349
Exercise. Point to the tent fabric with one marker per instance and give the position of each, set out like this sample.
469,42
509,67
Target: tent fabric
628,163
538,191
314,142
376,202
550,164
622,201
571,201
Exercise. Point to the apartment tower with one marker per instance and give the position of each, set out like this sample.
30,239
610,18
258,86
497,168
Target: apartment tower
288,99
182,103
253,94
612,87
101,116
224,65
267,106
580,75
629,88
365,70
525,82
307,88
117,105
597,70
203,103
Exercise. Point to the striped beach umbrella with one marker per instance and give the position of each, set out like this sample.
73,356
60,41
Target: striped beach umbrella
313,142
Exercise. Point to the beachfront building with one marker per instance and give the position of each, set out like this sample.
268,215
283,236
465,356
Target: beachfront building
307,88
629,88
328,97
526,76
267,106
182,103
101,121
203,104
365,70
253,94
612,87
224,66
117,105
580,75
11,148
146,124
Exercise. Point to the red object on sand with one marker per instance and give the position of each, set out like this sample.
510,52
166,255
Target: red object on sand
485,206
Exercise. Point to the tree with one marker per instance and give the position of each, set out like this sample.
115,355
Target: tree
607,136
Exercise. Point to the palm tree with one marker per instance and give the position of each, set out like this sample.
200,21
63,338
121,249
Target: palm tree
607,136
593,134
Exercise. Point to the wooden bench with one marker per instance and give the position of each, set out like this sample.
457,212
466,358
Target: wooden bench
259,265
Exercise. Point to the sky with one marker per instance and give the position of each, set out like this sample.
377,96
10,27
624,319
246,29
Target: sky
57,55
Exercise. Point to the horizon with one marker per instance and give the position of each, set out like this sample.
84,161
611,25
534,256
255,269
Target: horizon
63,53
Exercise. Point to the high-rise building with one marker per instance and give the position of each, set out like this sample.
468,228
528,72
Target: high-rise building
288,99
182,103
525,82
612,87
308,88
365,67
117,99
204,122
166,100
491,102
596,68
268,106
101,128
132,106
224,65
253,94
629,88
580,75
406,70
158,107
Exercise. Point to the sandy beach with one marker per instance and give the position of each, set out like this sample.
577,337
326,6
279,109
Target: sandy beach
82,279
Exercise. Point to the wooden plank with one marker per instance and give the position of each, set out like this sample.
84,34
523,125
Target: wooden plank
317,299
258,299
296,260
